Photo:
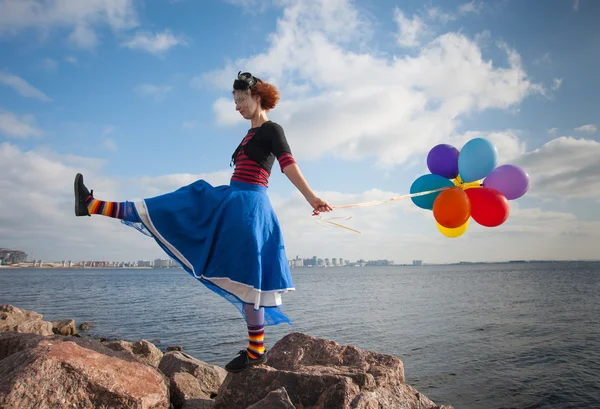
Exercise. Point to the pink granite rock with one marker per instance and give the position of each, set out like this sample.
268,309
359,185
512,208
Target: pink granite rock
54,372
18,320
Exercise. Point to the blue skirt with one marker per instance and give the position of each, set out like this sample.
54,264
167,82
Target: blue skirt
228,237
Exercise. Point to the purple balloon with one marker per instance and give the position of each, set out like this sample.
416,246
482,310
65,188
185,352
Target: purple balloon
442,160
510,180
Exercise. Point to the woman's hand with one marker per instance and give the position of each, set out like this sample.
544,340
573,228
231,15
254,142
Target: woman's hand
319,205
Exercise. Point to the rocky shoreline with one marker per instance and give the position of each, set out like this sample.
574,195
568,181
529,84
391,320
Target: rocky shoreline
47,365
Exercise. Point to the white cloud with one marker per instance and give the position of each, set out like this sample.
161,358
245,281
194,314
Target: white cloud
153,186
470,7
83,36
589,128
225,113
552,131
13,126
50,64
396,230
356,105
410,31
576,5
544,59
156,44
402,232
556,83
22,87
52,231
81,18
437,14
565,167
154,91
28,178
507,143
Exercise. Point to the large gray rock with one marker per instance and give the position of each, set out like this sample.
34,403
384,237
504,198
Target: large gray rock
18,320
56,372
318,374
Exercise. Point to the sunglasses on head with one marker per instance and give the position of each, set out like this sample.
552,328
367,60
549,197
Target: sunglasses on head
244,81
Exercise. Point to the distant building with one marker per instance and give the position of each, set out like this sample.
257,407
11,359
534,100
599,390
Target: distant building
144,263
417,262
378,262
296,262
162,263
9,256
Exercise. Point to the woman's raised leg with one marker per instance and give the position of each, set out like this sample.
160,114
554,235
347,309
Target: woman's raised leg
86,204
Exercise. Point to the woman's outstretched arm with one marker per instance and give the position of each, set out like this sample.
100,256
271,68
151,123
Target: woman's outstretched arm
295,176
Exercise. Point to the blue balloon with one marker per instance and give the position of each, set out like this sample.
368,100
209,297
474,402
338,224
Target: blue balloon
477,159
425,183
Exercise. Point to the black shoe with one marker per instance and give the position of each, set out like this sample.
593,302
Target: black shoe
81,195
243,361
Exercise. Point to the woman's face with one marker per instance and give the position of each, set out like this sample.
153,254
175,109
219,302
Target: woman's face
245,104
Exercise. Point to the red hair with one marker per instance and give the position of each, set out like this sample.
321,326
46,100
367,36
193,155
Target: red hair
269,95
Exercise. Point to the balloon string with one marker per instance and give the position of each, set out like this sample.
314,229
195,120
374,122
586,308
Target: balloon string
337,224
373,203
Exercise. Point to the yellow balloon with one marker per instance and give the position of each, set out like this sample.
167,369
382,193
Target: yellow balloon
466,185
471,185
453,233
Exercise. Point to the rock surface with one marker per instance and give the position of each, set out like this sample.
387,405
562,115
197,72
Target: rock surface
143,350
277,399
64,327
209,377
54,372
18,320
319,374
85,326
302,372
200,404
185,387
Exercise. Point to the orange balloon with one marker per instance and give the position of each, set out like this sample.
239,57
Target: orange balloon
452,208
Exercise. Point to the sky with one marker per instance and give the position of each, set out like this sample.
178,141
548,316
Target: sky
136,95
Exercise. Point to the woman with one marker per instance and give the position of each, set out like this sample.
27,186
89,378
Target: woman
228,237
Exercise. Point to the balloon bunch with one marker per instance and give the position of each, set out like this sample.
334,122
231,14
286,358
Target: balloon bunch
469,186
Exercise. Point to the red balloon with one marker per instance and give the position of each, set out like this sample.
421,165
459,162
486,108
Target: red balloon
488,206
452,208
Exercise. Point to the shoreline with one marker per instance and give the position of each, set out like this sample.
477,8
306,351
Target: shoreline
89,267
460,263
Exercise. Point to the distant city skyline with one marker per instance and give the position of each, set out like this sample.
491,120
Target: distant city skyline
20,257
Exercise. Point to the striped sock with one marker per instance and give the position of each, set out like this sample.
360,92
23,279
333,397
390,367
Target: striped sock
110,209
256,341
